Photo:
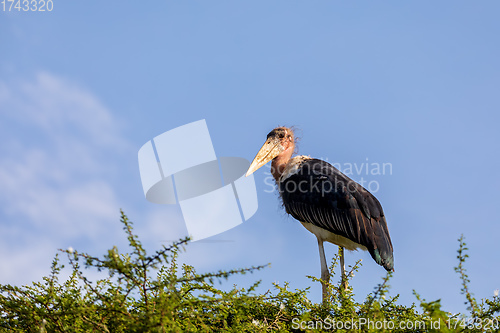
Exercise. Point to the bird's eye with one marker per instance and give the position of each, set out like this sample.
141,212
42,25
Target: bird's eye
281,135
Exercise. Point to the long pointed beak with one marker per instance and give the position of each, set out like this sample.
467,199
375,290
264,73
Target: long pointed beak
269,150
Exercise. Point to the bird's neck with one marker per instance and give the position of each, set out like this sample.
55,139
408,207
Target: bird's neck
279,163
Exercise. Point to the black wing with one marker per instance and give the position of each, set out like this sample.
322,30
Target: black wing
322,195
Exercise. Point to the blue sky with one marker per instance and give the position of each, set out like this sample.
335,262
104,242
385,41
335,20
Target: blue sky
410,83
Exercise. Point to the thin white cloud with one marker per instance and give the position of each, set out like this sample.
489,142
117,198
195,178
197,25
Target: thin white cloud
59,147
53,103
28,263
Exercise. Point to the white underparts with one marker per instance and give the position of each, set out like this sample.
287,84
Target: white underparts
325,235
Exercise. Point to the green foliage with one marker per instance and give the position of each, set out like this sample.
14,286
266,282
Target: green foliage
153,293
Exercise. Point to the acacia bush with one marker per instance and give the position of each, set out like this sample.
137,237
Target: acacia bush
153,293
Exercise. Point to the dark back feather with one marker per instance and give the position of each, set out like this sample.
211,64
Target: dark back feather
322,195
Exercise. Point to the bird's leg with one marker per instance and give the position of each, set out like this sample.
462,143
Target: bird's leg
325,274
342,268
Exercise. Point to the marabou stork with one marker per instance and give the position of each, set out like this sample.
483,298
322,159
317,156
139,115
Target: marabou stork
328,203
